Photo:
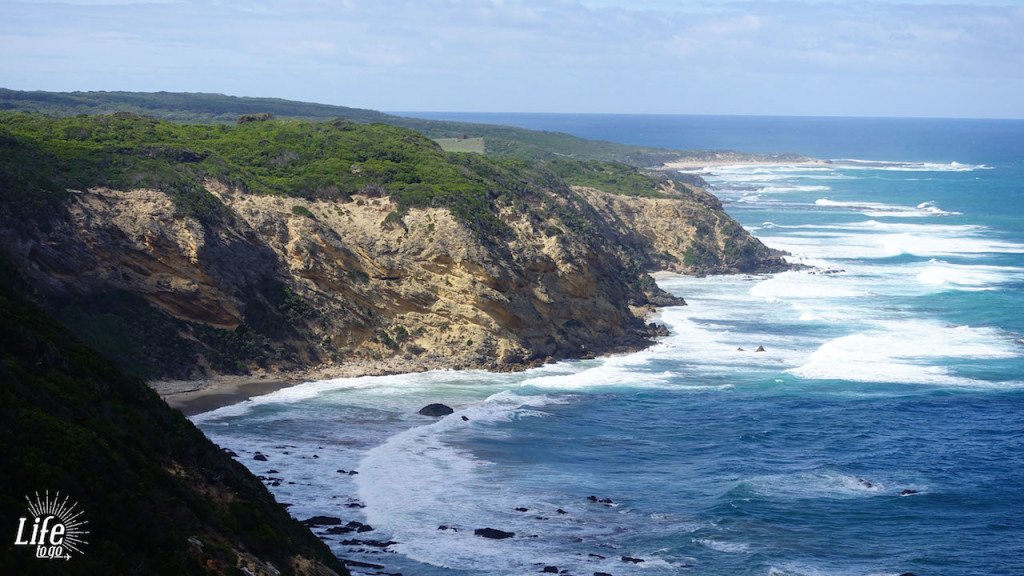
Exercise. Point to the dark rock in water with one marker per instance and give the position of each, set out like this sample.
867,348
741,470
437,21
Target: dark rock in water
908,492
740,350
355,505
521,509
560,511
358,564
493,533
371,543
335,530
759,349
352,472
364,528
447,527
436,410
632,560
272,471
550,570
601,574
322,521
260,456
908,574
340,471
592,498
598,556
607,501
865,483
465,418
231,453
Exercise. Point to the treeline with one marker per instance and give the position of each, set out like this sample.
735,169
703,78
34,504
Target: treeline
502,141
42,157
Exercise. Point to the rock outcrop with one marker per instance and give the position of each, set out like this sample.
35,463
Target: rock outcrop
285,283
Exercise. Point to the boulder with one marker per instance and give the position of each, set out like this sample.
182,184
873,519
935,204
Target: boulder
759,349
908,492
631,560
493,533
550,570
260,456
322,521
436,410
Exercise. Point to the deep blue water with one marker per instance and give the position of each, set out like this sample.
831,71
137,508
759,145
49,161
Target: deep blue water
902,369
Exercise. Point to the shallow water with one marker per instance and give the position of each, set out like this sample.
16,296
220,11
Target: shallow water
901,369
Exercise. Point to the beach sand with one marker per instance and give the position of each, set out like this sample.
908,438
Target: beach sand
197,396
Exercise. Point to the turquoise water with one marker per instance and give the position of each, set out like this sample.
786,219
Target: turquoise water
894,364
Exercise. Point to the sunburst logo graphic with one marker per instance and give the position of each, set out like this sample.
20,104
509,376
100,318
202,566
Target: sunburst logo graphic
54,527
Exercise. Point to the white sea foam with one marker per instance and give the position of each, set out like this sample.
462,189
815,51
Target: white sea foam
795,188
821,483
874,239
881,210
416,481
723,546
908,352
856,164
940,274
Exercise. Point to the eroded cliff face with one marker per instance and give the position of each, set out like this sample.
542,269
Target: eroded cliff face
284,283
686,232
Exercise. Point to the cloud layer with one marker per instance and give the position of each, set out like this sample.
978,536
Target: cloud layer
917,59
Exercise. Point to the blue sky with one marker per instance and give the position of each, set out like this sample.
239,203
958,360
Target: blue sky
878,58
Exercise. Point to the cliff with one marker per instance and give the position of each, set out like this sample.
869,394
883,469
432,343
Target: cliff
188,251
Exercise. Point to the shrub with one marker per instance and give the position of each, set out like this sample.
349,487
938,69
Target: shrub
300,210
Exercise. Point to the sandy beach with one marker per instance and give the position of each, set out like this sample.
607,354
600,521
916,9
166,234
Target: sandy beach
198,396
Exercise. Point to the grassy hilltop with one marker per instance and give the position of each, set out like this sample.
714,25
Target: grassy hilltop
199,108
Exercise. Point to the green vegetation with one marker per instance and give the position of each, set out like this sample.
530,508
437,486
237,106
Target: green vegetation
500,141
474,145
613,177
300,210
146,479
41,158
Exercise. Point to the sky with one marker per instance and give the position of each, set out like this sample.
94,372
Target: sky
805,58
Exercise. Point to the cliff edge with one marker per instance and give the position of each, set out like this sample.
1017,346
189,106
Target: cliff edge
188,251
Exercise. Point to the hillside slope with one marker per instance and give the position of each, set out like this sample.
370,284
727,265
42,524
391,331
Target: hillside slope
159,497
185,251
202,108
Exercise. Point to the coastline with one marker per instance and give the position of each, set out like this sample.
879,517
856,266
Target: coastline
197,396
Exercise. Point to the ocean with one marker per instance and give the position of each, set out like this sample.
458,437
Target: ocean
880,432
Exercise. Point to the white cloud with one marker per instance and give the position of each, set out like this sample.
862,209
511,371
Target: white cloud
590,55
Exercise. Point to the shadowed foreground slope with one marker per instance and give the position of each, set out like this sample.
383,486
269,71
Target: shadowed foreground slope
160,498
